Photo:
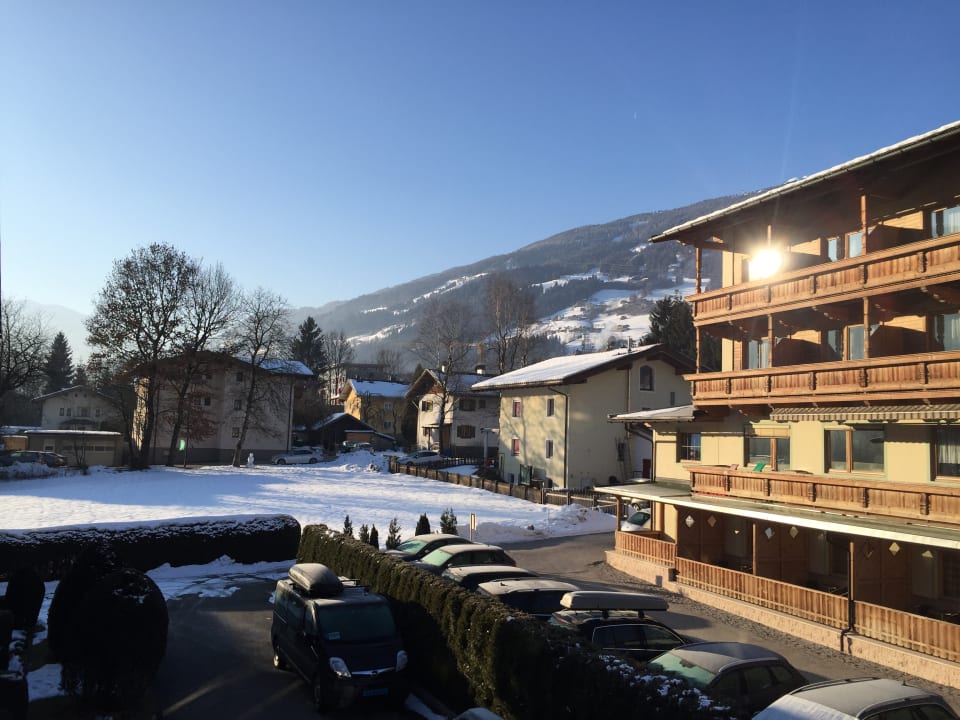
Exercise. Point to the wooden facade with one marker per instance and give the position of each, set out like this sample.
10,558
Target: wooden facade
820,474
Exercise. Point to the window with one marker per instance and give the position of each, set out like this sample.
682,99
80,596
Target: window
96,412
83,412
855,342
426,406
515,446
855,244
758,354
673,398
235,432
517,407
468,404
646,378
62,411
688,446
948,451
551,407
206,400
239,377
855,450
388,406
833,339
848,246
482,403
951,573
387,424
548,449
426,432
238,404
69,412
946,331
945,222
773,452
466,432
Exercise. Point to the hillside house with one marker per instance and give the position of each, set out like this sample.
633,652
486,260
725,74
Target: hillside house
215,410
380,404
816,476
553,427
453,417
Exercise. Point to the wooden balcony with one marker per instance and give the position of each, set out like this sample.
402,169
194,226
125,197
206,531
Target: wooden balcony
908,378
905,267
936,504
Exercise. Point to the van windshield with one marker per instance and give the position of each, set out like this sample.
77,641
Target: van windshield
355,623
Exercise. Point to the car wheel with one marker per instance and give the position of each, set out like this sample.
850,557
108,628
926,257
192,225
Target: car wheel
281,461
312,461
278,662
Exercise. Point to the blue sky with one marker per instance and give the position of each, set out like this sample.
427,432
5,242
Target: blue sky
328,149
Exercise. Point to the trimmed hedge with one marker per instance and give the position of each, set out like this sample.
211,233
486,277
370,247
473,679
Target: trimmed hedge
254,538
477,651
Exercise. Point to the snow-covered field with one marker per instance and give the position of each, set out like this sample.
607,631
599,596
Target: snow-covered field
356,484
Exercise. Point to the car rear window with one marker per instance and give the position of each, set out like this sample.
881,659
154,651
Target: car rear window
695,675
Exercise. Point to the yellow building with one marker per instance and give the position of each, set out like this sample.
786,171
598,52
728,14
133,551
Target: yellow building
553,427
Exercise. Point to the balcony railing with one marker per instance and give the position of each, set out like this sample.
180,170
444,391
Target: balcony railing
898,377
931,503
899,268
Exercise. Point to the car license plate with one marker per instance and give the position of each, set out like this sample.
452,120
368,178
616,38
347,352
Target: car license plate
374,691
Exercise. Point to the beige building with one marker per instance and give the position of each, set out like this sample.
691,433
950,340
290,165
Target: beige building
815,479
216,407
379,403
553,425
452,415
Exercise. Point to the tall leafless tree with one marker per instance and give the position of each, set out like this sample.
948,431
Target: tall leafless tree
212,303
23,348
510,317
390,361
262,334
443,343
340,354
138,321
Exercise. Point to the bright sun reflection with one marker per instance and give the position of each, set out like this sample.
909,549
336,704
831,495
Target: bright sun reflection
765,263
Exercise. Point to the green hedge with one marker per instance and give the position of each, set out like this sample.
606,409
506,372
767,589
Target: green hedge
255,538
475,651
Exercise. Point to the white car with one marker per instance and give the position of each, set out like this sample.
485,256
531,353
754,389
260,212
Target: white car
419,457
299,455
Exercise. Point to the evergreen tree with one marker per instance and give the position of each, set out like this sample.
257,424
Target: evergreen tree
423,525
58,367
308,346
374,537
448,522
80,375
364,535
671,323
393,534
347,526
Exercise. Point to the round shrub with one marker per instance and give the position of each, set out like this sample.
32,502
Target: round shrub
24,597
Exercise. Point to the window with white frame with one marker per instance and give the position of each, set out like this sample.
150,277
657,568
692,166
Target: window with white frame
948,451
946,331
688,446
758,353
945,221
466,432
426,406
517,408
468,404
645,378
515,446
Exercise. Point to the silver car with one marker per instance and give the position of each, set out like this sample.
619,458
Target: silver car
299,455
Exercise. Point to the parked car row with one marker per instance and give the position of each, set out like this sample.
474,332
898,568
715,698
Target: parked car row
50,459
747,678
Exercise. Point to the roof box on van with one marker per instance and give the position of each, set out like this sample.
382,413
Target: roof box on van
315,580
606,600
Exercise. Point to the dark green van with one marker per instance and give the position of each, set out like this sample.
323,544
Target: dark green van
341,638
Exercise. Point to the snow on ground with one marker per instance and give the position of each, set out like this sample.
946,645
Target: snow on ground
356,484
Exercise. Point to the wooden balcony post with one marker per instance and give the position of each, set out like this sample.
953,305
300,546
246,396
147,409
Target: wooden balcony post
866,327
699,256
863,221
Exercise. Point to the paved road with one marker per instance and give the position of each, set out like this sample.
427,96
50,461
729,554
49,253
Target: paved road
218,662
581,560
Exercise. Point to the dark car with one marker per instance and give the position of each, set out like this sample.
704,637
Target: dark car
50,459
859,699
469,554
615,622
469,577
537,596
744,677
339,637
419,545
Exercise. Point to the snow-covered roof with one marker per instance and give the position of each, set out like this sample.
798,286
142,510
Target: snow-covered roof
286,367
62,391
566,368
793,185
379,388
459,383
681,412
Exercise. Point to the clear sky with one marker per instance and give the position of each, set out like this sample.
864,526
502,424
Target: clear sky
324,150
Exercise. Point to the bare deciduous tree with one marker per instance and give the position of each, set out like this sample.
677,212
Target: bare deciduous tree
390,361
23,347
262,333
138,321
442,343
510,317
339,354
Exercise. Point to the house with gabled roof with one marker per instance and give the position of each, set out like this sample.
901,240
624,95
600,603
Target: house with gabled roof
553,428
453,416
80,407
381,404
